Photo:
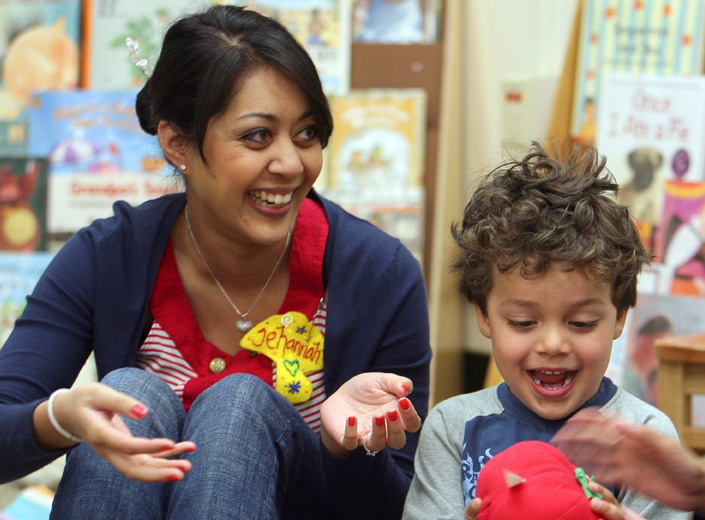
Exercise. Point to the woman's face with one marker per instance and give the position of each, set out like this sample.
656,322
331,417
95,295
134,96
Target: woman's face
263,155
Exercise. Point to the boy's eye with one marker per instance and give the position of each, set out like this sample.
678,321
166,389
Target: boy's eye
521,324
583,324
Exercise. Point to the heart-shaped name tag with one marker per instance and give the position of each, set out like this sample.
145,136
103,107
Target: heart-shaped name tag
296,347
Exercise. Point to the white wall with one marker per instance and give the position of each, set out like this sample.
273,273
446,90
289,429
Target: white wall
523,40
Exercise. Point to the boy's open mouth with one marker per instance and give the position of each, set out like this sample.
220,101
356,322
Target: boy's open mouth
552,379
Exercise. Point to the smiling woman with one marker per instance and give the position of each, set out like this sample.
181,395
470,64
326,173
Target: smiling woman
226,320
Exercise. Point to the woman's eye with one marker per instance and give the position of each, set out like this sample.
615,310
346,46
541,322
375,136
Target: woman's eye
308,134
260,136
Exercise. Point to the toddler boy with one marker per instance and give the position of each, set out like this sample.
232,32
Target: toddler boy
550,262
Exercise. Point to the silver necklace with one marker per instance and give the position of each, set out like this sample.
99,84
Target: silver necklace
243,324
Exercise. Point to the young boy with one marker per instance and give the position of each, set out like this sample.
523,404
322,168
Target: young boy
550,262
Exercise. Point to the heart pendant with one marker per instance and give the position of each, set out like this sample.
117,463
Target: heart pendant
244,325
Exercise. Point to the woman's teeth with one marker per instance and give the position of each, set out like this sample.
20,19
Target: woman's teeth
268,200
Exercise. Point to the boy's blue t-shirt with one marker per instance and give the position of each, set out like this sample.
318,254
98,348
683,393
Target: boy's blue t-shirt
485,436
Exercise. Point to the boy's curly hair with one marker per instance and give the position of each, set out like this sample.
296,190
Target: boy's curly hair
540,213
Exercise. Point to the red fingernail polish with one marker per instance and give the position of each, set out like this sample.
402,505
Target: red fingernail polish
379,421
193,448
174,478
352,421
405,388
404,404
393,415
167,448
139,410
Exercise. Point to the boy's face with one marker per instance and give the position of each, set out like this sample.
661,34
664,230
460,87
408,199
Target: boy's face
551,337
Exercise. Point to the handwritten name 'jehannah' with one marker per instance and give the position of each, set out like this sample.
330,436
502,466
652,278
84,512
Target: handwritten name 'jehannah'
277,340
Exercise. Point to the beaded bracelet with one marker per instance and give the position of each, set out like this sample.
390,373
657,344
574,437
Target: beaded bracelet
52,418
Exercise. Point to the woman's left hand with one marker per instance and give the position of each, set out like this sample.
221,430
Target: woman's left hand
371,410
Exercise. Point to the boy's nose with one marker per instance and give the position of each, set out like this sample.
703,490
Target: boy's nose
553,342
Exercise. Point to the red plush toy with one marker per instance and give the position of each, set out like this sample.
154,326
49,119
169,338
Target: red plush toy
533,480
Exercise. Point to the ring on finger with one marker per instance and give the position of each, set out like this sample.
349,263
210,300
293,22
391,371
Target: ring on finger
366,438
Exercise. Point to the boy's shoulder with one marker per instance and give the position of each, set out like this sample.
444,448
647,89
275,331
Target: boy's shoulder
461,408
630,408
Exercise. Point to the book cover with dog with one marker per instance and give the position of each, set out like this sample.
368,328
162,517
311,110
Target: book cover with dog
652,130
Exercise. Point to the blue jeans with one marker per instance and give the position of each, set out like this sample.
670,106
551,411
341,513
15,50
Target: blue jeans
256,458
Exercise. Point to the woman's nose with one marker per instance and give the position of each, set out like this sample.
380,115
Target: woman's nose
286,159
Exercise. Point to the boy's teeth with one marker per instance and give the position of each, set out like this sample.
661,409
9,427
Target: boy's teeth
552,386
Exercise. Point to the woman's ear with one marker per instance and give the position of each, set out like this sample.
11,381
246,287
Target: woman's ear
175,147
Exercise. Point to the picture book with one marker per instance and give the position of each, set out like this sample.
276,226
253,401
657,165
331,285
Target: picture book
650,37
39,50
634,364
376,159
652,130
23,203
105,61
97,154
396,21
33,503
680,239
323,27
19,273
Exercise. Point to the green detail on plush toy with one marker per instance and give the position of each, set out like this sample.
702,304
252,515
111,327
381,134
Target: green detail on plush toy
584,480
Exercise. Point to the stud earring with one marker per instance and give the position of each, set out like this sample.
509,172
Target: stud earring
182,167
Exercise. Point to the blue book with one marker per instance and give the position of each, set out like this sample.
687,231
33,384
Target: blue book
97,154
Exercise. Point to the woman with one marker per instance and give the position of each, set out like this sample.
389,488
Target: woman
186,422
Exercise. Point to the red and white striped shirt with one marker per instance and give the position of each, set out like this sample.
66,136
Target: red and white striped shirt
176,351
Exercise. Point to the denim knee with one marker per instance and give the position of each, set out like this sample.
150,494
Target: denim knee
166,414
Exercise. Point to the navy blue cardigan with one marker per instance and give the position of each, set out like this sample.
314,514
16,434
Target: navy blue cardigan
94,296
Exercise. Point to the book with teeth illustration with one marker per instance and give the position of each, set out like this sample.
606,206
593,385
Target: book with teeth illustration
39,50
376,157
97,154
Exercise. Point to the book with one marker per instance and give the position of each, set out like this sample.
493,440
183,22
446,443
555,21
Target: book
39,50
19,273
634,364
652,130
105,61
680,239
97,154
650,37
33,503
23,203
323,27
396,21
376,159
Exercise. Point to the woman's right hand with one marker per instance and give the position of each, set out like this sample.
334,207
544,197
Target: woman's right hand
93,413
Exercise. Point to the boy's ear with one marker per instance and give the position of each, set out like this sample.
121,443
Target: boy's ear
175,147
483,322
619,326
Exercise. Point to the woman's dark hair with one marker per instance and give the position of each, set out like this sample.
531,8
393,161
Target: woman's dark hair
205,59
